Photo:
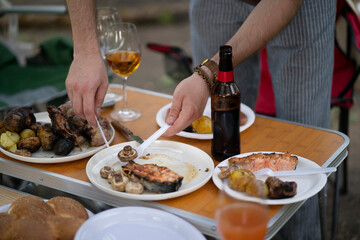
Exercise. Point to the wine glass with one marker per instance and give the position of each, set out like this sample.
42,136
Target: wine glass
106,17
123,57
240,219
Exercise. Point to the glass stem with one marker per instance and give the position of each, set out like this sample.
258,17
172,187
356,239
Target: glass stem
124,93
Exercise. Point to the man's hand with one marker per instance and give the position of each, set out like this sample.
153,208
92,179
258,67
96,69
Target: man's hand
189,101
86,85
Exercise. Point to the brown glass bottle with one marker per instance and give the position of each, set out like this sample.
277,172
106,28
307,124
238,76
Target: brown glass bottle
225,109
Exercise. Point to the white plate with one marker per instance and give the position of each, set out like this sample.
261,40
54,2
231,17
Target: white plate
42,156
5,208
160,119
190,162
138,223
307,186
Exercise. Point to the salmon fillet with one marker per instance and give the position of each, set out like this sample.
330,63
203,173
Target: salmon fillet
257,161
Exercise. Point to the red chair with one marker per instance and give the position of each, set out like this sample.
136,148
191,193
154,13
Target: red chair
346,71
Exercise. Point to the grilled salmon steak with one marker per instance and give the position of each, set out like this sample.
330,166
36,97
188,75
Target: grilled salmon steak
257,161
153,177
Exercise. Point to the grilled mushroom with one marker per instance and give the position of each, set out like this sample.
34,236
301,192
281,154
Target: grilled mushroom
127,154
134,186
118,182
106,171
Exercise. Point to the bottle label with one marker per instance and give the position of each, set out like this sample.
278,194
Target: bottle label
226,76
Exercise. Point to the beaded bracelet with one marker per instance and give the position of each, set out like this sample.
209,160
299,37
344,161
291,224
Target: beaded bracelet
213,68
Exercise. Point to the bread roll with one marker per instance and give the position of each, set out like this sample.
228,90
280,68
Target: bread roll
65,228
68,207
30,229
6,220
30,207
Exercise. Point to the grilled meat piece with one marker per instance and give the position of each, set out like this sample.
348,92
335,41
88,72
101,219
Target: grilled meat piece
279,189
90,132
153,177
93,133
62,126
79,122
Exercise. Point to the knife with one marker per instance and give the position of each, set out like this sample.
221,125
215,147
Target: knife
127,133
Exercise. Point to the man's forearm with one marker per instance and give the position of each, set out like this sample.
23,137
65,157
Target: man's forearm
267,19
83,22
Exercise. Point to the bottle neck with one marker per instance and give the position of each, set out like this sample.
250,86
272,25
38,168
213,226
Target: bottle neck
227,76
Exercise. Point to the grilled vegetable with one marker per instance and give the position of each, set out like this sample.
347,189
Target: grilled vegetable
127,154
63,147
134,186
14,121
106,171
118,182
32,144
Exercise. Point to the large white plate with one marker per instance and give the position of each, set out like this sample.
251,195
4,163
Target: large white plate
160,119
42,156
307,186
5,208
190,162
138,223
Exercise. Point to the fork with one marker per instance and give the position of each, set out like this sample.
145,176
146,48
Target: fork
269,172
140,149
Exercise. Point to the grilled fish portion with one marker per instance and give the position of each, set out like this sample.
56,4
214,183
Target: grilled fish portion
153,177
257,161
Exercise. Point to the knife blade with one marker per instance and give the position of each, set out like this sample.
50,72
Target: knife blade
126,132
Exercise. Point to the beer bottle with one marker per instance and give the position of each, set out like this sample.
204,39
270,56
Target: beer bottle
225,109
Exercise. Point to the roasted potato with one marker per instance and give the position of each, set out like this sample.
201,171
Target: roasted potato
47,137
63,147
14,121
257,188
32,144
2,128
26,133
9,140
202,125
240,178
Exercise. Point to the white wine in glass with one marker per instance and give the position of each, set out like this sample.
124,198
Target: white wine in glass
123,56
106,17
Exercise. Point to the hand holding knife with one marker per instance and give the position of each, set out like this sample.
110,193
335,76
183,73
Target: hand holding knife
126,132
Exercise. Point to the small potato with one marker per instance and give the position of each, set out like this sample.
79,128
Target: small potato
7,140
240,178
14,136
257,188
26,133
32,144
13,148
14,121
202,125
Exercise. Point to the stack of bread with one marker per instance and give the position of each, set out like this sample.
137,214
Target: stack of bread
31,217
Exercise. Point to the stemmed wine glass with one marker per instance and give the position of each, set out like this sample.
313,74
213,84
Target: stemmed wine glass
123,57
106,17
240,219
